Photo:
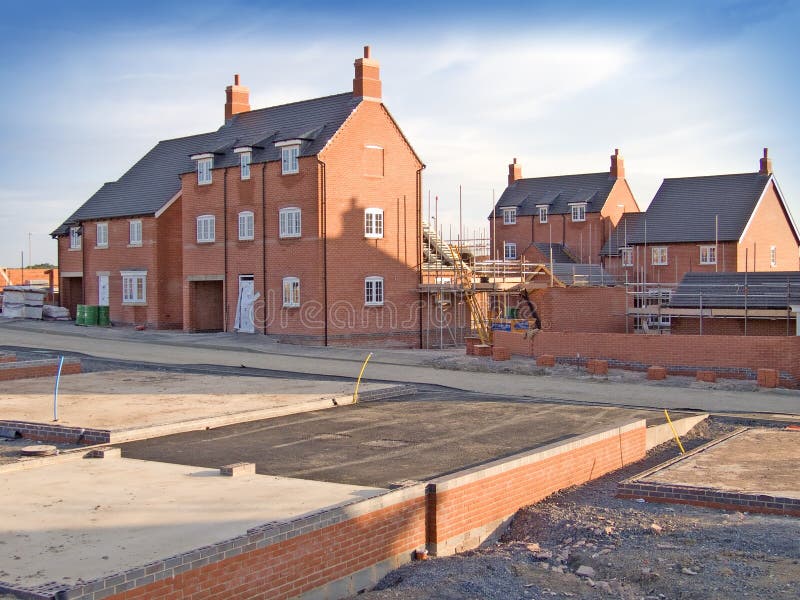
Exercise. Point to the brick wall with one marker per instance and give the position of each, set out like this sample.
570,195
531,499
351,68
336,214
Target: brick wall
466,508
681,259
729,356
28,369
597,309
755,327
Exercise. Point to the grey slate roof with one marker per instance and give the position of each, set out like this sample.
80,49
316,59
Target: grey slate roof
557,193
583,274
685,209
629,223
153,180
775,290
559,252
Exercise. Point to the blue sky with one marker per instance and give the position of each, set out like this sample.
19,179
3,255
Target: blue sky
682,88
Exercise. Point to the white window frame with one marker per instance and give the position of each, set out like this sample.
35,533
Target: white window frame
373,291
773,256
510,250
708,255
290,222
245,158
626,256
659,256
134,287
102,235
290,163
291,292
247,225
206,229
373,222
74,238
204,166
509,216
543,214
578,212
135,232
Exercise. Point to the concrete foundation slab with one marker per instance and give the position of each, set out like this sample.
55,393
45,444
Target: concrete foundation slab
81,519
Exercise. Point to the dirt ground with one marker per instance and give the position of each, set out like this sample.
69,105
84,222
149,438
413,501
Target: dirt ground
584,543
128,399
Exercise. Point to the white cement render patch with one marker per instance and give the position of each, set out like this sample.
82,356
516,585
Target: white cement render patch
81,520
124,400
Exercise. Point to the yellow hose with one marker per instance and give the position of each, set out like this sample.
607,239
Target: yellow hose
675,433
364,366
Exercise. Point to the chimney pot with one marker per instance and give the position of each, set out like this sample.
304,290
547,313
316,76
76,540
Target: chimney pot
236,79
366,52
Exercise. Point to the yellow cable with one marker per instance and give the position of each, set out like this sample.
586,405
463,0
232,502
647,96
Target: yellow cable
364,366
675,433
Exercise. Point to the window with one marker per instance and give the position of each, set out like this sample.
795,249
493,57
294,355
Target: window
244,161
627,256
206,228
246,225
373,291
373,223
708,255
102,235
579,212
74,238
291,292
509,216
134,287
204,166
289,222
135,233
510,251
542,214
773,256
289,156
658,255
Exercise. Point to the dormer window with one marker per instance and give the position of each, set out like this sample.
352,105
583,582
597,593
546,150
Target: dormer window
205,162
245,158
290,151
509,216
578,212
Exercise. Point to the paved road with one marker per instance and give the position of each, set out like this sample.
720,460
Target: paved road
387,365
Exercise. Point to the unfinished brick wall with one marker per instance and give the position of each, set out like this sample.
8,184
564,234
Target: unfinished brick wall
466,508
729,356
755,327
597,309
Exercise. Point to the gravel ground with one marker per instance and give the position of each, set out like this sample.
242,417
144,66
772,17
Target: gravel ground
584,543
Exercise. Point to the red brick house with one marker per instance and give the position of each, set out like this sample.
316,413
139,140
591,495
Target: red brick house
717,223
300,221
572,215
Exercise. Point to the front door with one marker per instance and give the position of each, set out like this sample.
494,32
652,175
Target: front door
102,290
244,306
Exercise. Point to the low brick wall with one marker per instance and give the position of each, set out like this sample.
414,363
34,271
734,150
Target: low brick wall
467,508
737,357
54,433
47,367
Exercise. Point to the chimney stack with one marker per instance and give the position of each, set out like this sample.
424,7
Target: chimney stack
367,82
514,172
765,164
617,166
237,99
